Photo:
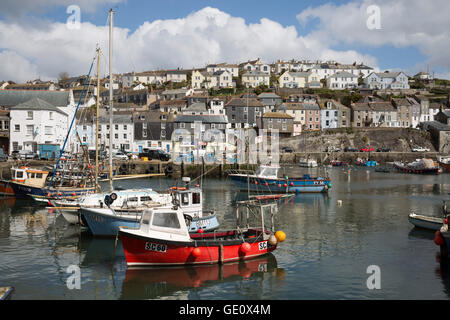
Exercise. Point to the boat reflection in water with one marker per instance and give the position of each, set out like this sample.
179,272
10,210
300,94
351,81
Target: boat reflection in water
157,282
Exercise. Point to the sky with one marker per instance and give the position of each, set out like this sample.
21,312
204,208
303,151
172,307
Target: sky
38,38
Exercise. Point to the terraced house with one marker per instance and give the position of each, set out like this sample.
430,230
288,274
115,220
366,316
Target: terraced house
243,112
253,79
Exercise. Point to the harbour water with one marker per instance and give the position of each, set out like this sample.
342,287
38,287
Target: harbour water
326,254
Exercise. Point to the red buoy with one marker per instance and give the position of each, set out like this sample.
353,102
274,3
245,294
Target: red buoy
285,185
256,182
438,239
292,184
245,247
196,252
200,230
267,184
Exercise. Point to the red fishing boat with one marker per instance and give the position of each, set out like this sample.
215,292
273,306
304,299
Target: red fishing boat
163,239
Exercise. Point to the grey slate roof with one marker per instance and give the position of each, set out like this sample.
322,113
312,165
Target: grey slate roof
10,98
196,107
36,104
202,118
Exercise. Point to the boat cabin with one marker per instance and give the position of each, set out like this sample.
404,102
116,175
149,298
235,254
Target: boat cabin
29,176
165,224
189,200
268,171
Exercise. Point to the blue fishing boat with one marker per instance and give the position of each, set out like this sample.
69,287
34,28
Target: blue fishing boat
32,182
266,179
106,221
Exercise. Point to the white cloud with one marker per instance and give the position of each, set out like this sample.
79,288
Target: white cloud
205,36
404,23
16,67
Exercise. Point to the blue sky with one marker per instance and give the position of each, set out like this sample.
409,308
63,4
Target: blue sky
329,28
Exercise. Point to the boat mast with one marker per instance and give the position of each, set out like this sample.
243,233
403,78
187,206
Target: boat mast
111,130
97,114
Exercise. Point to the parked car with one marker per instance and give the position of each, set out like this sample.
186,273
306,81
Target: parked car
383,149
332,149
3,155
287,149
102,154
366,149
28,154
350,149
420,149
155,154
119,155
15,155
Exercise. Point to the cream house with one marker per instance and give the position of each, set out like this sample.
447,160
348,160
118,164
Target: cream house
207,80
297,79
254,79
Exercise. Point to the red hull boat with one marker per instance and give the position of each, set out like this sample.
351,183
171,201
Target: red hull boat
163,239
204,249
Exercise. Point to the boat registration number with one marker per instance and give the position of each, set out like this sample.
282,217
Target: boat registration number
202,223
263,245
155,247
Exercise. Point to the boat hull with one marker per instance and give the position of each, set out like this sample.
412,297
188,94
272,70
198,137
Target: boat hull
106,224
424,222
280,185
445,166
6,188
406,169
23,190
140,251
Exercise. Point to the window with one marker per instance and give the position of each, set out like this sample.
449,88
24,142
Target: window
30,129
50,115
166,220
116,136
48,130
17,128
195,198
146,198
124,135
30,115
184,199
6,125
116,127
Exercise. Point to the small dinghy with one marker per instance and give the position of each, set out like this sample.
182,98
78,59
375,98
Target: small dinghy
426,222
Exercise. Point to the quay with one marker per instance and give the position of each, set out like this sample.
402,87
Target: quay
126,169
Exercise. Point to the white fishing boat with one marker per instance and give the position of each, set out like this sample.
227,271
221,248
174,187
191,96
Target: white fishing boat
106,221
307,163
123,200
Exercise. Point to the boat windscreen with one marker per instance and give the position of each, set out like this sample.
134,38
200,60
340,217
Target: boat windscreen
166,220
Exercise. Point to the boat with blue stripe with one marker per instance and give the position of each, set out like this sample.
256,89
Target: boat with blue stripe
107,220
266,179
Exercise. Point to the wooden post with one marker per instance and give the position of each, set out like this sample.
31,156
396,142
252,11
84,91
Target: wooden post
221,253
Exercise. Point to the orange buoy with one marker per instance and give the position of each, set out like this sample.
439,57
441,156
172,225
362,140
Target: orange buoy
280,235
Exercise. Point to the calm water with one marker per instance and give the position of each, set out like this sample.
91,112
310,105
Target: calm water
325,256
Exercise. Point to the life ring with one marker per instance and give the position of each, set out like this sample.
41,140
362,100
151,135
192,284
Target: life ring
178,188
113,196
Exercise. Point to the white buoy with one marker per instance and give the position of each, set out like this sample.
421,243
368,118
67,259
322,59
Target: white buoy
339,202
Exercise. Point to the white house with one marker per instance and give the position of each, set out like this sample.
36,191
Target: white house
342,80
123,133
36,122
232,68
387,80
255,65
329,116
